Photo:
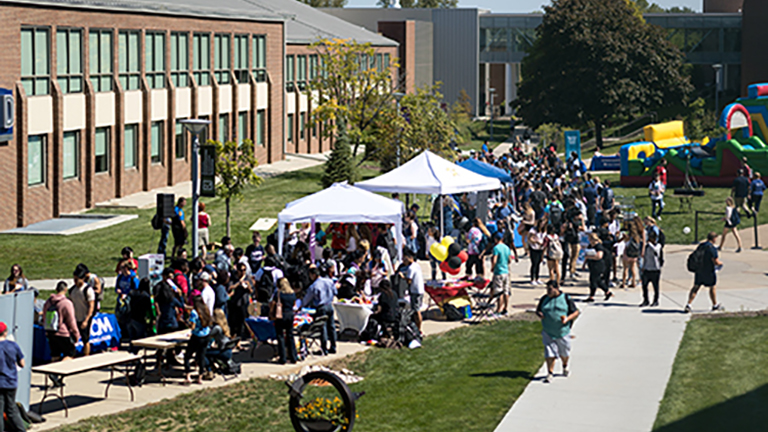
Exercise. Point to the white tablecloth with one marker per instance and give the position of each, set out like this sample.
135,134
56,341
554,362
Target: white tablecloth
352,316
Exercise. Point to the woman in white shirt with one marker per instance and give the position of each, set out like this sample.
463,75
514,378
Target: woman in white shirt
536,237
651,269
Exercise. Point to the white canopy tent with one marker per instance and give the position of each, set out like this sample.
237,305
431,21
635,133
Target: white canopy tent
428,173
343,203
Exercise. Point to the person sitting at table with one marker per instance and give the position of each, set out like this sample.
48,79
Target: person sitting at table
284,326
219,337
386,308
200,322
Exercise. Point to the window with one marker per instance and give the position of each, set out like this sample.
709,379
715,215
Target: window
242,126
221,58
69,60
129,70
35,63
206,132
312,67
302,72
261,127
314,127
36,160
101,151
364,62
131,145
290,69
201,59
260,58
180,59
241,58
156,148
223,128
181,141
100,47
386,61
379,64
154,59
71,157
302,125
290,128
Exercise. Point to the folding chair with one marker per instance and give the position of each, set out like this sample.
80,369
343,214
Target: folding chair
221,356
262,331
484,304
312,333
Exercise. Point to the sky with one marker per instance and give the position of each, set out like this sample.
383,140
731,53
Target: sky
526,6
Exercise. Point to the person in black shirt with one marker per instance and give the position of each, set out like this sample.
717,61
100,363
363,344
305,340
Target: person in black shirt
740,191
141,311
705,275
284,326
596,262
255,253
386,308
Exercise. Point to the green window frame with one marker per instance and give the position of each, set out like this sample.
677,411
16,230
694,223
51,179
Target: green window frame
201,58
180,141
260,58
156,142
129,68
69,59
223,128
36,159
313,67
290,128
261,127
302,125
290,70
154,59
101,149
130,145
180,59
221,58
242,126
100,48
35,60
70,155
379,62
301,72
241,59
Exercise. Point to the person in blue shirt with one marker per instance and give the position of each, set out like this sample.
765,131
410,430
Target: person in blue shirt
557,312
485,147
200,321
10,358
756,190
320,297
179,226
500,263
126,279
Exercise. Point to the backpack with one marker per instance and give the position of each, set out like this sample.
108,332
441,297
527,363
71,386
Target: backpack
696,259
608,199
452,313
633,248
51,322
157,222
266,287
555,216
554,250
483,245
735,217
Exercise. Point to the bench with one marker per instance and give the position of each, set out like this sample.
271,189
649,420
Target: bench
111,360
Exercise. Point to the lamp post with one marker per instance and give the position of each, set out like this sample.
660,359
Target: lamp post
398,96
195,127
492,91
717,67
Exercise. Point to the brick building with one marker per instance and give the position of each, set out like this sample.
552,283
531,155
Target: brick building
99,88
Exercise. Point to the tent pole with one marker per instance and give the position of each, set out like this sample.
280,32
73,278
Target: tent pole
442,217
312,239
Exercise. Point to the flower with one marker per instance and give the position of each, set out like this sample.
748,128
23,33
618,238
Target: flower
324,409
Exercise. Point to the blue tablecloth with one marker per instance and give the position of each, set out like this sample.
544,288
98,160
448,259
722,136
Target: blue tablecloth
262,327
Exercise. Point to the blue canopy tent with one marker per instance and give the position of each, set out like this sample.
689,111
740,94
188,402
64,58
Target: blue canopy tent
486,170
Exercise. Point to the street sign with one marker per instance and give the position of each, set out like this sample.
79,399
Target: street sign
208,171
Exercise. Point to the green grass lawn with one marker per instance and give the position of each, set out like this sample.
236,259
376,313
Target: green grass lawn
463,380
481,132
719,381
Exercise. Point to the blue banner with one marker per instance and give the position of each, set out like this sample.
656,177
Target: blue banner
572,143
105,333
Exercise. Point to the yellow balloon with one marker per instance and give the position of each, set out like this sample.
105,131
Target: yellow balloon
447,241
438,251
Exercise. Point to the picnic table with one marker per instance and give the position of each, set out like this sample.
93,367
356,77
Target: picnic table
162,343
110,359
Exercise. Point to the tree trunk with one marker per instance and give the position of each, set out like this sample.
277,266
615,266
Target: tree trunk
228,225
599,134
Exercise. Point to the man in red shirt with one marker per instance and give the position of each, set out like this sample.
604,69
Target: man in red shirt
661,170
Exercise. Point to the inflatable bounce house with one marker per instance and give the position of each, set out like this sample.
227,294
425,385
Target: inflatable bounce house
712,162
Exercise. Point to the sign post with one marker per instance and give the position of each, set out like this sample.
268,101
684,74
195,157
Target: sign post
208,171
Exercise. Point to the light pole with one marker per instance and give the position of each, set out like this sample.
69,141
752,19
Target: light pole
398,96
195,127
717,67
492,91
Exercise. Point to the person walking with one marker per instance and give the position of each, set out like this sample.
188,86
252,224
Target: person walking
740,192
203,222
536,248
596,262
477,237
60,324
500,282
651,270
756,190
656,191
11,357
557,312
554,251
708,263
732,221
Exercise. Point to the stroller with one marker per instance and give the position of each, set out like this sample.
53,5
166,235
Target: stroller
395,334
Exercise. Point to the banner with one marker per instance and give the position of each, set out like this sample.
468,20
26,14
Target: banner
105,333
572,143
207,171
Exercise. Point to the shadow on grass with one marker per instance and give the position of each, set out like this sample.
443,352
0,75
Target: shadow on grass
504,374
745,413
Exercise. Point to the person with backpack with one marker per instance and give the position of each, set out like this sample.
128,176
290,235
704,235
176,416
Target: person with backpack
605,200
536,238
572,225
704,262
557,312
651,270
597,262
179,226
477,239
11,358
554,253
732,220
60,324
83,298
632,251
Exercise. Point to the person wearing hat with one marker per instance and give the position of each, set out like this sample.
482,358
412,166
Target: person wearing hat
500,263
11,357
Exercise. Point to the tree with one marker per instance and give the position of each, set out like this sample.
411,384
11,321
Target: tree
351,90
551,134
701,123
234,168
426,4
325,3
645,7
595,60
339,167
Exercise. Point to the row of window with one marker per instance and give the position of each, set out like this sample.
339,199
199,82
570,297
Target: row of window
303,119
37,148
249,55
298,72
